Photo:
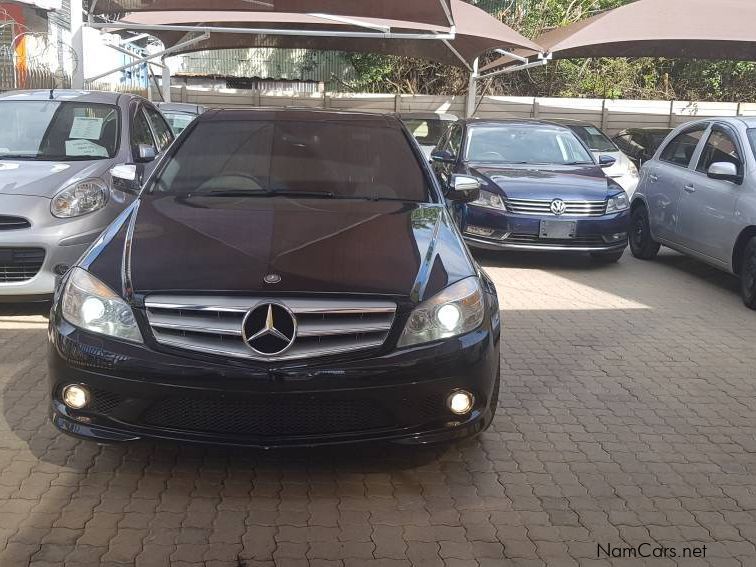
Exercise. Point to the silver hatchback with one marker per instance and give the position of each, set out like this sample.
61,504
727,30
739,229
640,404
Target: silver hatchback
57,148
698,196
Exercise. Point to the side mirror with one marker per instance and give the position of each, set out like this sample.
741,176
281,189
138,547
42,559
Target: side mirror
725,171
443,156
463,189
126,178
146,153
607,161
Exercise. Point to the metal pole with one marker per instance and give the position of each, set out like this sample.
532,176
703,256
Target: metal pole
166,82
77,43
472,91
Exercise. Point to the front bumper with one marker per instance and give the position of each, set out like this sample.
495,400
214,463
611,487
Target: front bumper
61,242
400,396
521,232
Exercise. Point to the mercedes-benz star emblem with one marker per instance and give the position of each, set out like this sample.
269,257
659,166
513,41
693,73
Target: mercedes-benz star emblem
272,279
558,207
269,329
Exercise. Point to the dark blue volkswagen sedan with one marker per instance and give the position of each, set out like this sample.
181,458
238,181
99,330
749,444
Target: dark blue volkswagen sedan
541,189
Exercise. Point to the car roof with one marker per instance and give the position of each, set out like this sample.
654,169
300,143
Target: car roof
513,122
180,107
67,95
570,122
428,116
299,115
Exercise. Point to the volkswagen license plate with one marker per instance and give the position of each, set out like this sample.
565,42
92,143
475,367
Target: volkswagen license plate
558,230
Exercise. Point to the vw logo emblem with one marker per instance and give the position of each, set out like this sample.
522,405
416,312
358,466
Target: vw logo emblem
558,207
269,329
272,279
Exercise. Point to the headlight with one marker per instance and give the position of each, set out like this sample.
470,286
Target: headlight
618,203
84,197
91,305
489,200
456,310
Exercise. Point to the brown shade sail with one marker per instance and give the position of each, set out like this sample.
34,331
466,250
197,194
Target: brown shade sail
696,29
433,12
476,33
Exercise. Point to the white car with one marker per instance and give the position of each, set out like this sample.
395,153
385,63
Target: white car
624,171
427,128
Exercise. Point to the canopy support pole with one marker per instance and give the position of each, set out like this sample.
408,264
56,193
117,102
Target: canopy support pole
472,91
147,59
272,31
166,82
77,43
543,59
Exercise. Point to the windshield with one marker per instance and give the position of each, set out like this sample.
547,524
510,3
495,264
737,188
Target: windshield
326,159
594,138
178,121
59,131
526,144
427,132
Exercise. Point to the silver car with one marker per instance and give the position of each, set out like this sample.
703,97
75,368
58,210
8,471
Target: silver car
57,148
698,196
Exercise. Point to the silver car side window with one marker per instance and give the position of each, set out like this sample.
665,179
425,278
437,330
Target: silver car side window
682,148
720,147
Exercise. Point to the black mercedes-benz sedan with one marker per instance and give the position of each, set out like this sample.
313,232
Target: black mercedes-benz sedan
286,278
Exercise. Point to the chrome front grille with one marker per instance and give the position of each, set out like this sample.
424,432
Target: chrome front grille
543,208
213,325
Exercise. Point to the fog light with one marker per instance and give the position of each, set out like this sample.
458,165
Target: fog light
616,237
75,396
461,402
479,231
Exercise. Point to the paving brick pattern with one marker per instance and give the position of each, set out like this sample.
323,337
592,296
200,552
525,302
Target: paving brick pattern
627,416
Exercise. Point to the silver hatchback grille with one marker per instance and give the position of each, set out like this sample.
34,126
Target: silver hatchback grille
543,208
213,325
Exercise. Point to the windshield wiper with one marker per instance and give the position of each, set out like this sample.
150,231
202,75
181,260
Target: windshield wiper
580,163
279,193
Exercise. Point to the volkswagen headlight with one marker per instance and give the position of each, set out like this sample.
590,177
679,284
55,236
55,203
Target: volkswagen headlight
489,200
81,198
454,311
618,203
89,304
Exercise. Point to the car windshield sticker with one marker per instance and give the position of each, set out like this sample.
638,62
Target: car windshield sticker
77,148
86,128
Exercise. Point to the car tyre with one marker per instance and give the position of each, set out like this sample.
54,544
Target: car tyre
642,244
607,258
748,275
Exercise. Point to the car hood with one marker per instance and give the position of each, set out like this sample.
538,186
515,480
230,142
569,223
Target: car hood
314,245
45,178
581,182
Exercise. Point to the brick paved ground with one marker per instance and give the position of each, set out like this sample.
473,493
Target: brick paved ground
628,415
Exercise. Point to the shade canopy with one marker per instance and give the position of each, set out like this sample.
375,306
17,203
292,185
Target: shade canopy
433,12
476,33
696,29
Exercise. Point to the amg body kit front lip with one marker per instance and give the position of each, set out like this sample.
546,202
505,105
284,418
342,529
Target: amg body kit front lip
398,396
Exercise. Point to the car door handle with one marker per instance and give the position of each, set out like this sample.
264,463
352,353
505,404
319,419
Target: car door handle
653,178
690,189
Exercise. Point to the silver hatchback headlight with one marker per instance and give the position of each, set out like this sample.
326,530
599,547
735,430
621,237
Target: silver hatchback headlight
89,304
80,198
454,311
